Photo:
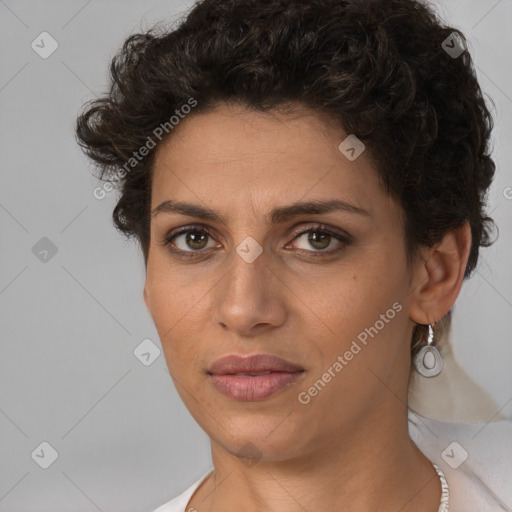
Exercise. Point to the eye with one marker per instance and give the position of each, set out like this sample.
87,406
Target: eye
321,238
191,241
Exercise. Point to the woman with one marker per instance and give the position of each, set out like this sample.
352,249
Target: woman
307,182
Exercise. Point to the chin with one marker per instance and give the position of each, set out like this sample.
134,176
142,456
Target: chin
263,439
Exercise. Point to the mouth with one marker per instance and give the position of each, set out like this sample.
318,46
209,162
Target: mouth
243,387
253,378
252,365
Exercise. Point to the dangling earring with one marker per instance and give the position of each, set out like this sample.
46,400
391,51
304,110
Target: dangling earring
428,361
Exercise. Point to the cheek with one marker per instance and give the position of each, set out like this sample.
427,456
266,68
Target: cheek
365,303
173,309
173,293
366,321
373,280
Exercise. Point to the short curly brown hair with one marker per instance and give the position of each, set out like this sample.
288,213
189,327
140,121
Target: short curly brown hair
378,67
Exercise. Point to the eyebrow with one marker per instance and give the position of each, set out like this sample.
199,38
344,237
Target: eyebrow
278,215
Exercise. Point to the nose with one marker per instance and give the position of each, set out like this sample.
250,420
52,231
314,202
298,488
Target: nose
250,298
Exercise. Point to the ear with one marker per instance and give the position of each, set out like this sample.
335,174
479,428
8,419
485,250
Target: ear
439,275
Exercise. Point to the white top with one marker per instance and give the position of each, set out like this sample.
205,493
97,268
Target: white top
476,459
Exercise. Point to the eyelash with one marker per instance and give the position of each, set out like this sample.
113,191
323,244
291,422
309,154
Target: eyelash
198,228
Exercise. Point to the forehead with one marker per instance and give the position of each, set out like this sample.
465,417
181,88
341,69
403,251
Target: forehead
232,153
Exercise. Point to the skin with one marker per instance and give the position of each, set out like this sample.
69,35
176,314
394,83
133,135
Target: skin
352,436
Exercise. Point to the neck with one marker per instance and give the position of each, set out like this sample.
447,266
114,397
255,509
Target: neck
372,465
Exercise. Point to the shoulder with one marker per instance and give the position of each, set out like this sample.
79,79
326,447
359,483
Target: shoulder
476,459
179,503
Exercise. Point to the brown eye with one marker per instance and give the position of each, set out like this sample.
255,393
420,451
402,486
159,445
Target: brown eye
321,239
192,241
189,240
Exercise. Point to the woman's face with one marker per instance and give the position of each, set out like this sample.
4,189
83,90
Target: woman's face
333,303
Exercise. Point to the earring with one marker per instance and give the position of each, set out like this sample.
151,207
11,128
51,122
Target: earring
428,361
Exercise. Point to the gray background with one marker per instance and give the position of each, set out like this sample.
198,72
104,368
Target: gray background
69,325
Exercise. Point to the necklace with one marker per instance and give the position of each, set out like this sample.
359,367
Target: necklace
445,492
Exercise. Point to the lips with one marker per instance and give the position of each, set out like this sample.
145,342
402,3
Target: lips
253,378
252,365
